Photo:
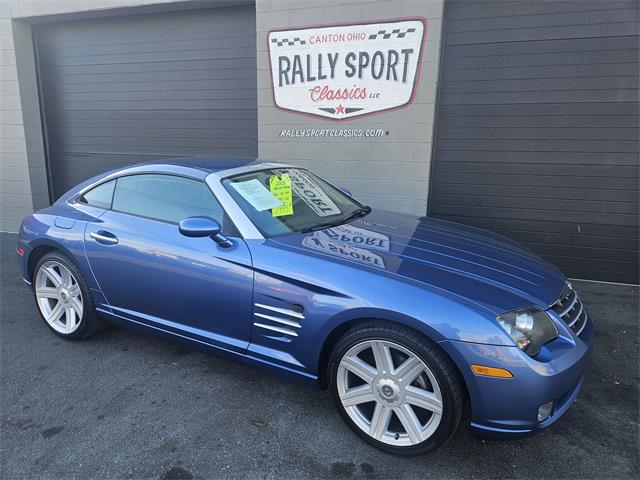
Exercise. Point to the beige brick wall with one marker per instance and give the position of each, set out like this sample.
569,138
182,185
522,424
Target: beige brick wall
390,172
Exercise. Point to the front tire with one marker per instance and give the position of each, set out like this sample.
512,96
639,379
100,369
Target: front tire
63,298
395,388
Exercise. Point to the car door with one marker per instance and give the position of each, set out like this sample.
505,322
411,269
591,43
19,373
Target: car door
152,274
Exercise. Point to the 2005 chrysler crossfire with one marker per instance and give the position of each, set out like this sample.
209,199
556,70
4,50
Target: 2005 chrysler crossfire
414,324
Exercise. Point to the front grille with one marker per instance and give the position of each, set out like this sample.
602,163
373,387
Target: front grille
570,309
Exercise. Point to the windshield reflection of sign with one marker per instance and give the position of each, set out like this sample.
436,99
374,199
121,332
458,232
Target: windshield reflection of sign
357,236
349,252
312,194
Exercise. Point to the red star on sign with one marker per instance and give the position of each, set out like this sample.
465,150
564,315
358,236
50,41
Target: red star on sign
339,109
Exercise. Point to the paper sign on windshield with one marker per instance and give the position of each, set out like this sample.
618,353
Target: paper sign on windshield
257,195
281,188
312,194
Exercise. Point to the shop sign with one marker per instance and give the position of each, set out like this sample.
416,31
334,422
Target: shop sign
345,71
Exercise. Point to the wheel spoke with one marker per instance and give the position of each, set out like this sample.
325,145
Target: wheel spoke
76,305
423,399
53,276
410,422
56,313
70,318
382,355
46,292
74,291
66,277
359,367
409,370
380,421
357,395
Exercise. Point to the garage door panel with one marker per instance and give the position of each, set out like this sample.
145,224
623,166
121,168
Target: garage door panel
540,145
551,45
558,170
156,57
552,124
547,109
537,84
534,203
118,90
532,59
536,214
537,130
539,181
152,84
540,72
229,93
154,105
527,133
461,10
151,47
542,33
163,115
558,193
546,158
546,19
111,72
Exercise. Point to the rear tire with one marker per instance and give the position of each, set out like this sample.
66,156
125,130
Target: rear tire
63,298
395,388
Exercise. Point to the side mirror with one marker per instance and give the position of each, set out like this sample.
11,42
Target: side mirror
345,191
204,227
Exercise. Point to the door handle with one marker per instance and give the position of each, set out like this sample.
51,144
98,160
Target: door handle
103,237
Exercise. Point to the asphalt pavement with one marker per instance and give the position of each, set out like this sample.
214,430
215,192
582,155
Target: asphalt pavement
124,405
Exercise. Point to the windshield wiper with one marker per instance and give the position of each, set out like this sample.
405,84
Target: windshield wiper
357,213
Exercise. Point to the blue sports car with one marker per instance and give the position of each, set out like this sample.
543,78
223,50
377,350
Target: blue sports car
413,324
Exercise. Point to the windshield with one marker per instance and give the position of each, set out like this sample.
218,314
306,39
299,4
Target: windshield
280,201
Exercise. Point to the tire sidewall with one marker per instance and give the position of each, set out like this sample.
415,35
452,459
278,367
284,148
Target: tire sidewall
437,362
87,301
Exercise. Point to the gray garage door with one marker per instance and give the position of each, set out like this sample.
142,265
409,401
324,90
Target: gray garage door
537,132
133,88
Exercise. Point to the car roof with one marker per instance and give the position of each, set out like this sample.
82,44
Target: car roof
208,164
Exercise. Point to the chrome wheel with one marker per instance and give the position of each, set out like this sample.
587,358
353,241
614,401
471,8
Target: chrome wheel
59,297
389,393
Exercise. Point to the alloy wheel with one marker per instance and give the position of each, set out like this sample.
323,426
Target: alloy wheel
389,393
59,297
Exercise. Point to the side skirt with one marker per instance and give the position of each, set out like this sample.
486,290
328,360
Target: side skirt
215,350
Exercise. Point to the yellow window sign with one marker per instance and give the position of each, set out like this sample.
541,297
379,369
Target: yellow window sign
281,188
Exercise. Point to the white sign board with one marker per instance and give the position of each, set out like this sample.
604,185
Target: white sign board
345,71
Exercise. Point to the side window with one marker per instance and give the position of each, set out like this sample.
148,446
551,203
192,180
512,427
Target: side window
100,196
165,197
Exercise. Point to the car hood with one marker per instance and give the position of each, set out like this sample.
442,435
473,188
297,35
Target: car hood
481,266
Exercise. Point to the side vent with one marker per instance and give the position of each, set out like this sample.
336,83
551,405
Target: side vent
285,321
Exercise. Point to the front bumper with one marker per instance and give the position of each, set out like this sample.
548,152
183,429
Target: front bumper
504,408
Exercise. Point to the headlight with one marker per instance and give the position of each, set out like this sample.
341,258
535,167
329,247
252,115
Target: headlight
530,328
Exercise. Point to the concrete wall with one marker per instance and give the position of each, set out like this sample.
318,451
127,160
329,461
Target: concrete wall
391,172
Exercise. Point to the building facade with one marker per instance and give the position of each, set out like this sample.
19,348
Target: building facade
520,117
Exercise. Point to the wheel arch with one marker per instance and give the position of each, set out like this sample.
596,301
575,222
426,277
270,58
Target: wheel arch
39,251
